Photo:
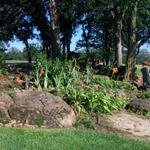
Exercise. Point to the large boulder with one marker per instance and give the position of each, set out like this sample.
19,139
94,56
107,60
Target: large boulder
41,109
139,105
5,102
5,82
6,99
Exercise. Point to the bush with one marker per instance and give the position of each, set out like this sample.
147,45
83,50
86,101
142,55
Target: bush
78,88
57,74
2,62
108,83
96,101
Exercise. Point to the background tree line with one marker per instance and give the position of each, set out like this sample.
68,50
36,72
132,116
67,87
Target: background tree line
107,27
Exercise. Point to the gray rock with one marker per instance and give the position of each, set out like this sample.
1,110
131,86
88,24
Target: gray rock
5,102
139,105
41,109
6,99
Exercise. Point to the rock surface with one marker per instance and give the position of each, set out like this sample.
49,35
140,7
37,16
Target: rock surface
38,108
6,99
139,105
4,82
5,102
128,124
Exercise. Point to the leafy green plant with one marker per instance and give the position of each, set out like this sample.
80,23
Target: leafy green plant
38,121
78,88
88,74
41,63
94,101
100,102
108,83
2,62
37,75
85,121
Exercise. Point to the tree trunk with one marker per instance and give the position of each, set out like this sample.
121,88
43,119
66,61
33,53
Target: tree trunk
68,50
86,37
118,35
131,55
28,51
119,43
106,57
55,28
64,50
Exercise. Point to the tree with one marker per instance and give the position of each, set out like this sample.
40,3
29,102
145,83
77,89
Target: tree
55,29
118,14
23,13
131,55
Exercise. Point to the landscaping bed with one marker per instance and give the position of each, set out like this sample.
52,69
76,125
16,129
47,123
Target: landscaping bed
95,101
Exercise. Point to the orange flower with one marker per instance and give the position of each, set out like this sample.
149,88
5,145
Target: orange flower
42,72
17,78
114,70
78,67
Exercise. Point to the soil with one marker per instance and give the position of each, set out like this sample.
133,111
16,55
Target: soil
125,124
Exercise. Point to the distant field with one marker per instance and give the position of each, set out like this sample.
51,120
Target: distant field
138,71
17,61
61,139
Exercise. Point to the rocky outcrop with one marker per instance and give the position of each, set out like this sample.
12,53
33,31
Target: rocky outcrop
5,82
137,105
5,102
38,108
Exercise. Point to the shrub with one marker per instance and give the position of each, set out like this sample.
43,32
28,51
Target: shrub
57,74
78,88
2,62
94,101
108,83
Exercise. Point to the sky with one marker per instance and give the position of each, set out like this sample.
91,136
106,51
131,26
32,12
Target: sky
146,46
20,46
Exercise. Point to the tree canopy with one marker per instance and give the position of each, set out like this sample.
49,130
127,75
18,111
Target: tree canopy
107,27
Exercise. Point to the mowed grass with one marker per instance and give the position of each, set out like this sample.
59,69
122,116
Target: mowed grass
138,70
16,61
61,139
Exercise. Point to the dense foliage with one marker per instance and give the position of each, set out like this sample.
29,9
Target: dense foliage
79,89
105,26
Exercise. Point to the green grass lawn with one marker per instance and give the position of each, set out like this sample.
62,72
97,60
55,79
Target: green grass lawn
138,71
60,139
16,61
